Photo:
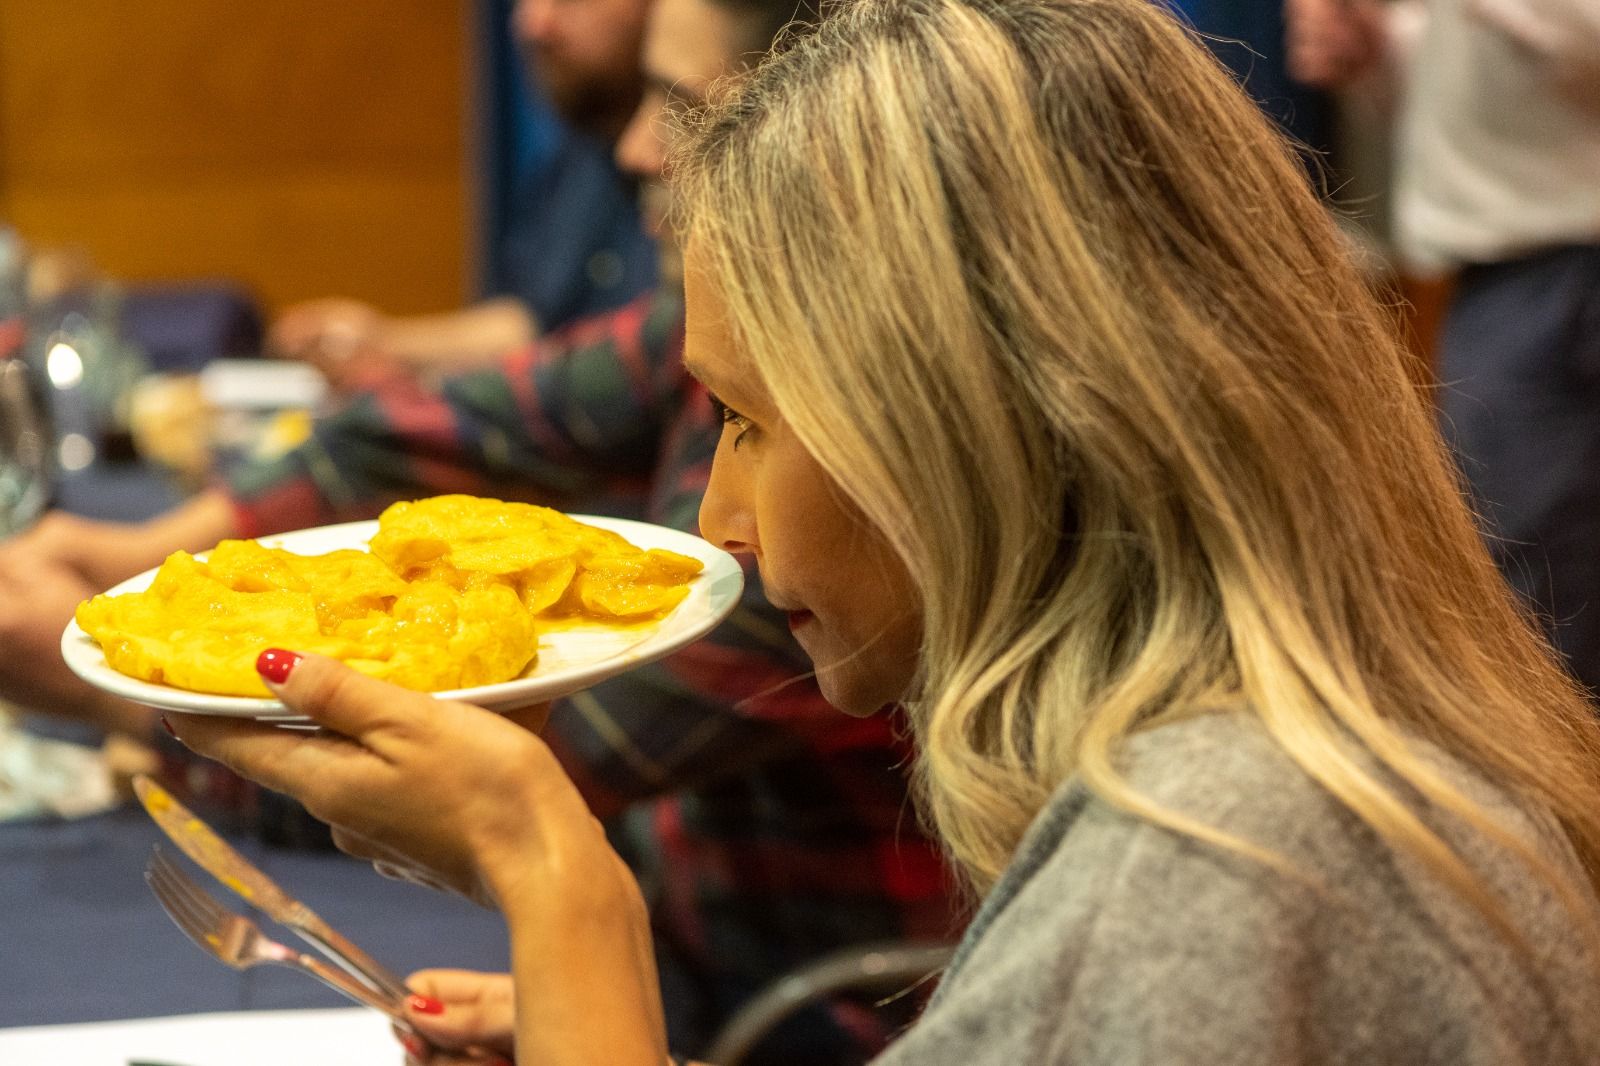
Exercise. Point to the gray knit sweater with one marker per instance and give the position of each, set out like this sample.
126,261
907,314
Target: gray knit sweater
1111,941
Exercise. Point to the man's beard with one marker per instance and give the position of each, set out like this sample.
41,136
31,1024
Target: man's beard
590,105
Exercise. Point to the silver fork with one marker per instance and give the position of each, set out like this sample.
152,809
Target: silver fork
238,942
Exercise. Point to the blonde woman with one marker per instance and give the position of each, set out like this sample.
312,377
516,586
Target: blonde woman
1056,411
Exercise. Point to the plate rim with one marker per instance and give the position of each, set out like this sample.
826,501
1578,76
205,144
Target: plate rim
85,658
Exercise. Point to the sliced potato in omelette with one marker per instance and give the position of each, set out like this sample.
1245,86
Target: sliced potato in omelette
559,566
452,595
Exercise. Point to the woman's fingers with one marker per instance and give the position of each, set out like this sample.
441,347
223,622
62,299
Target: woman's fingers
357,846
363,719
386,862
310,766
340,698
456,1009
445,794
531,718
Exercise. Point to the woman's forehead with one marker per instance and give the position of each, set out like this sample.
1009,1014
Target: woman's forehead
711,350
708,341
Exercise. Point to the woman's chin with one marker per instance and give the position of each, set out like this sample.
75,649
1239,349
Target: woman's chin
848,692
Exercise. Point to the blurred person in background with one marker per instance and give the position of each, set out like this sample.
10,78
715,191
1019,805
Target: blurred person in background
1498,178
774,832
573,246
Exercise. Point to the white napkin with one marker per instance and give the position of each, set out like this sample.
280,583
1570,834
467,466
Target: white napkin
40,777
340,1037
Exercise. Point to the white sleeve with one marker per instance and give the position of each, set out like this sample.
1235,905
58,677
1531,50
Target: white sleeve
1564,35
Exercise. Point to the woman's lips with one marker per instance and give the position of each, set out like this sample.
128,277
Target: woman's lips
798,618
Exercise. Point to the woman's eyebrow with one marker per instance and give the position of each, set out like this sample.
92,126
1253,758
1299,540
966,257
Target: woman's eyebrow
705,375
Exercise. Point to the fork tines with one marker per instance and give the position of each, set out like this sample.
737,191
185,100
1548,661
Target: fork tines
200,917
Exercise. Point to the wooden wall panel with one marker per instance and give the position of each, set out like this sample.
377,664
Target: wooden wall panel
304,147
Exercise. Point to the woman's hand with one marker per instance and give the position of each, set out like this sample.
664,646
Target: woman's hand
464,799
462,1016
443,793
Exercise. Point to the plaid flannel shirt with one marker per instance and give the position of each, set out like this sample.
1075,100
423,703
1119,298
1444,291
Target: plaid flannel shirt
781,827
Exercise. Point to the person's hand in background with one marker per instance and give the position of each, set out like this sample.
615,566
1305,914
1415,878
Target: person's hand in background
37,600
353,343
99,554
102,554
63,560
1332,43
314,328
347,340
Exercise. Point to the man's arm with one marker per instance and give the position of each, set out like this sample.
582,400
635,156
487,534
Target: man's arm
472,336
553,422
329,332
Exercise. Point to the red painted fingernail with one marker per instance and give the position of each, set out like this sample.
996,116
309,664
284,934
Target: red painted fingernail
424,1004
413,1045
274,664
167,726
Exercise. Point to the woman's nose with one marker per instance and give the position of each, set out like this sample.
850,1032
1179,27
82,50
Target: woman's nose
727,511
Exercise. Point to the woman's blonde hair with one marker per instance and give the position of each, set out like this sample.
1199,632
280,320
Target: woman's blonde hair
1062,316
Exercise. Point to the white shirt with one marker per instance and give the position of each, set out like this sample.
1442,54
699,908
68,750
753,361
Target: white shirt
1499,140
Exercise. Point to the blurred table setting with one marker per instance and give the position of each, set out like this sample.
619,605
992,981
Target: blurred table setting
117,400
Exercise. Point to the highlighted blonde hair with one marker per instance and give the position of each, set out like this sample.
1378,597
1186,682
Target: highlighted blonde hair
1059,312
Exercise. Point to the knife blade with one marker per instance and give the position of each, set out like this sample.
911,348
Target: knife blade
219,858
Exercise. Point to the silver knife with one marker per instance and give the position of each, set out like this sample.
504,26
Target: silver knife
218,858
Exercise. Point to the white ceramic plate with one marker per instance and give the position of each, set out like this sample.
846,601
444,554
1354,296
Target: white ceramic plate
569,660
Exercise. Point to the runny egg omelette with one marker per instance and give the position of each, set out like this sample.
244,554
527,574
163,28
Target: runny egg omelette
452,593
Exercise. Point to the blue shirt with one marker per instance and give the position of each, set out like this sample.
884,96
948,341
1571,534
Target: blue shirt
574,245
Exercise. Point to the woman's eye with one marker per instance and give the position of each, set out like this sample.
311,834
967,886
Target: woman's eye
729,417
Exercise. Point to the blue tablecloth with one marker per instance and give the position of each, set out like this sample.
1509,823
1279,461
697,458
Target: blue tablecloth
82,938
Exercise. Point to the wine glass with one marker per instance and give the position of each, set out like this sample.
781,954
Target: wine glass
24,448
